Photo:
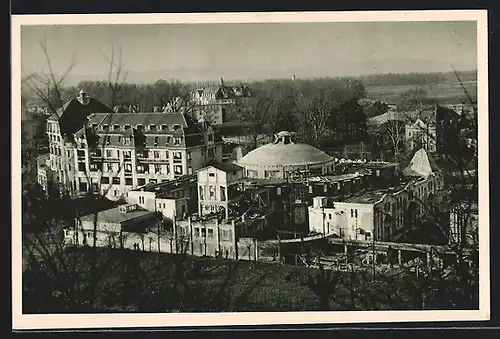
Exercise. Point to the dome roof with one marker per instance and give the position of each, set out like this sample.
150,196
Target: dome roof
280,154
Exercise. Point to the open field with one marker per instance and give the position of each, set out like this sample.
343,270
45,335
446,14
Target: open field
450,93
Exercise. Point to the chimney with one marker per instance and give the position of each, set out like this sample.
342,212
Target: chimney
83,97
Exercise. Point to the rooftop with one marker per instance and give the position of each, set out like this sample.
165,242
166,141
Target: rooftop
371,197
284,152
335,178
385,117
167,185
114,215
228,167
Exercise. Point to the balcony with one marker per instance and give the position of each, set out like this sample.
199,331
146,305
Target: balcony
153,160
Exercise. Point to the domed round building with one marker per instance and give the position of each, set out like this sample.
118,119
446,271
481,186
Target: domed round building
283,158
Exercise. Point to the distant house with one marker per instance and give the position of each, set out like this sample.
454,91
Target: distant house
436,129
212,103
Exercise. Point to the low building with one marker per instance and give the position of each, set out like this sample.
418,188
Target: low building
114,227
175,199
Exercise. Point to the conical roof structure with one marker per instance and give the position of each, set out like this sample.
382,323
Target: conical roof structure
422,164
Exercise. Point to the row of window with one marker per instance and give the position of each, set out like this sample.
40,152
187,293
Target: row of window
52,127
54,138
150,127
127,167
212,193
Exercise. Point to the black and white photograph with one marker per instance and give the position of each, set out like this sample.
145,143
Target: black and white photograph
249,168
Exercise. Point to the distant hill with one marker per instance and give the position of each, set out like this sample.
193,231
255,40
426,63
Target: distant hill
193,74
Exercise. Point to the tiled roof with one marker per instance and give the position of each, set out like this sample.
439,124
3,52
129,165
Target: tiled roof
73,115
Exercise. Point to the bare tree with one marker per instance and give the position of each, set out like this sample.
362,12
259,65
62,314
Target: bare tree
48,86
314,115
116,74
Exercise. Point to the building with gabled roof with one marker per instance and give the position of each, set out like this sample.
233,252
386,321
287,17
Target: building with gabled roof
60,128
111,153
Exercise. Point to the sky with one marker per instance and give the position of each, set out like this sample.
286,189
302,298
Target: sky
337,49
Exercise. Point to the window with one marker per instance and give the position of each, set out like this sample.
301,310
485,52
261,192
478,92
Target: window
355,213
156,141
211,152
116,180
210,233
141,181
141,200
104,180
201,193
108,141
212,175
127,127
211,192
352,213
203,232
127,154
163,127
105,127
210,137
223,193
81,166
177,155
177,141
152,127
98,152
119,139
196,232
166,154
156,154
178,169
157,169
109,153
128,181
128,167
330,216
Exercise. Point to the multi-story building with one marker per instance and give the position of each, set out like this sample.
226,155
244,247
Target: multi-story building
218,188
213,103
383,212
60,128
93,148
119,152
421,133
436,129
